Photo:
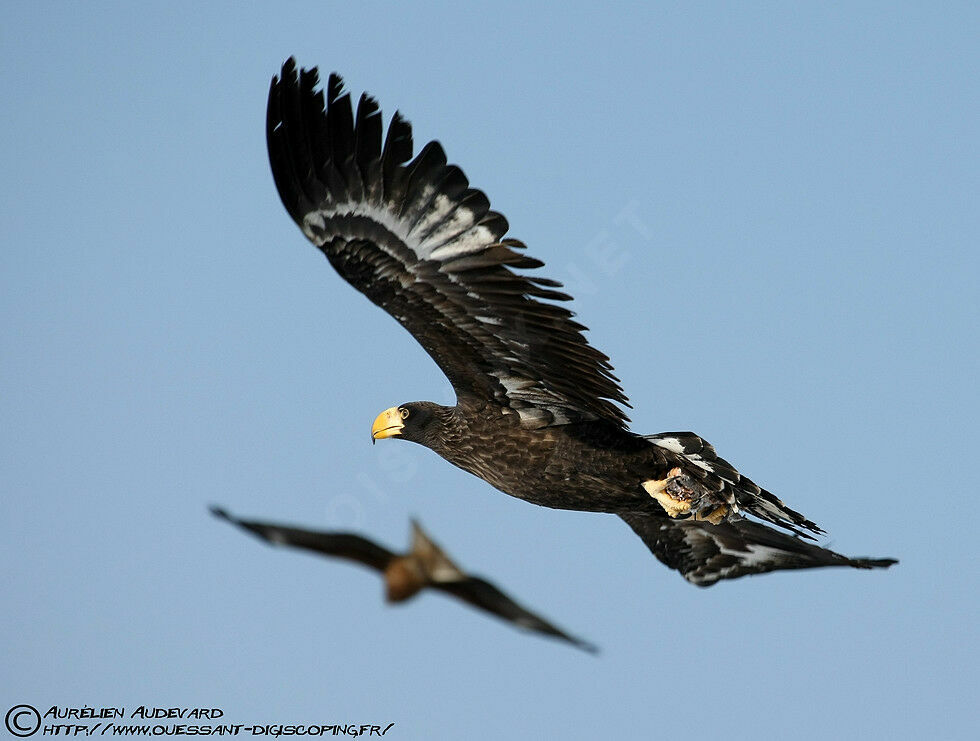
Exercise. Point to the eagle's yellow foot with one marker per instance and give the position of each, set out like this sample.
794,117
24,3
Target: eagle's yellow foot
715,516
671,492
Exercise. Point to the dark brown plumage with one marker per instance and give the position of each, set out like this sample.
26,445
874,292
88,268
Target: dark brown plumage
536,413
424,566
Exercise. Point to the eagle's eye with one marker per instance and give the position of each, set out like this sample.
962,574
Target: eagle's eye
403,412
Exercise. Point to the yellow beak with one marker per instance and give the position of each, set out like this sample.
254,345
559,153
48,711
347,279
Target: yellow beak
387,424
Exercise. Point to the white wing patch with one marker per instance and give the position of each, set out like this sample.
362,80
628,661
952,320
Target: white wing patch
472,239
456,237
669,443
440,208
675,445
754,555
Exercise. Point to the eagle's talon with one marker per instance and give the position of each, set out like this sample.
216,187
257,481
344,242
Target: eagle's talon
715,516
674,493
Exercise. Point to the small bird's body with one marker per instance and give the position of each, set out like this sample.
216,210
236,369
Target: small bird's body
424,566
537,412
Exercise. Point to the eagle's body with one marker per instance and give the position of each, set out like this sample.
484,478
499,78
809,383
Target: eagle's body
589,466
537,413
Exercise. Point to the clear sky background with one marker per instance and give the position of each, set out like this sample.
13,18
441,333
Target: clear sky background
768,215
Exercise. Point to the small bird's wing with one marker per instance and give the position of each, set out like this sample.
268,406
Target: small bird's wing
443,573
420,243
340,545
436,564
704,553
485,596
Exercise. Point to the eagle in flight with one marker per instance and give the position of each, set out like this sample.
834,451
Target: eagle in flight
425,566
537,411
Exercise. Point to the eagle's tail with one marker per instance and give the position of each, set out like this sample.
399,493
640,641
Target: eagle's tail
739,490
706,553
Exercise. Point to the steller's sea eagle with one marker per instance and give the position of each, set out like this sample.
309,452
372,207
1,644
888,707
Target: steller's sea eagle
536,413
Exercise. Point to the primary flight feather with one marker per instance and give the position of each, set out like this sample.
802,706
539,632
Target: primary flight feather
538,411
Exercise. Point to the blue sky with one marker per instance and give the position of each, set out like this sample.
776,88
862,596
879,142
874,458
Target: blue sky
768,218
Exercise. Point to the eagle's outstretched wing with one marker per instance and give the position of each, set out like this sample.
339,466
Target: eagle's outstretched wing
340,545
704,553
424,246
485,596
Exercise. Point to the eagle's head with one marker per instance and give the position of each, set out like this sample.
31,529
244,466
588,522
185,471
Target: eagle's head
417,421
